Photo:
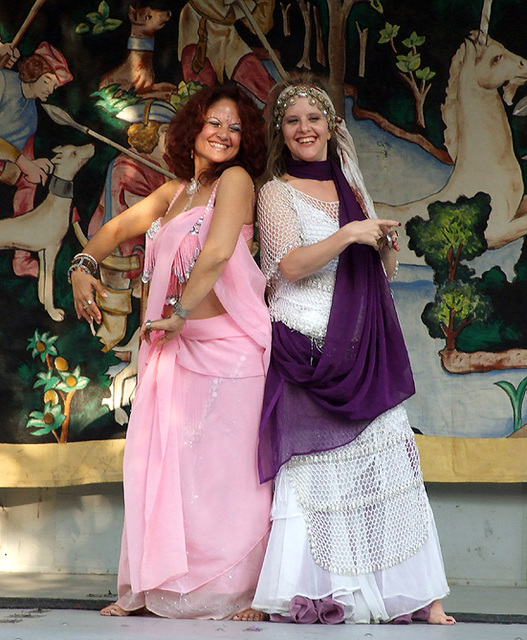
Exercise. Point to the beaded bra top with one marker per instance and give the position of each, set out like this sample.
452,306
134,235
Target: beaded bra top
188,251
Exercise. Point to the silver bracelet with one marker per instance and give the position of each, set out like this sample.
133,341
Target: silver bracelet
179,311
85,262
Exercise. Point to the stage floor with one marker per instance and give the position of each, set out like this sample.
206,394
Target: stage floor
61,607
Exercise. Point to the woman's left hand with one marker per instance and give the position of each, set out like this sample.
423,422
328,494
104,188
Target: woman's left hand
171,326
389,241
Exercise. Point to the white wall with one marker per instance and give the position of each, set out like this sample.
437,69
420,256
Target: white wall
483,531
61,530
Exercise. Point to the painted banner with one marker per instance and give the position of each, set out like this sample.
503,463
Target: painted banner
435,97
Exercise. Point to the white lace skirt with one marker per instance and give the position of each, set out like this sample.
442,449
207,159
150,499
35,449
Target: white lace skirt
381,594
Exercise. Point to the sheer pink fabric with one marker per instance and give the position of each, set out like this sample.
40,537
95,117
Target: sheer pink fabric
196,518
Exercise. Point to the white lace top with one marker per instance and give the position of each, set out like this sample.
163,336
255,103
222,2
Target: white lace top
287,219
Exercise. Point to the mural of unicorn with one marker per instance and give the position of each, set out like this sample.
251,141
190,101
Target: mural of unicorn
479,140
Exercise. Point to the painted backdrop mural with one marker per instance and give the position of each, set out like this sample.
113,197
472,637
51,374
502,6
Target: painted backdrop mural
436,100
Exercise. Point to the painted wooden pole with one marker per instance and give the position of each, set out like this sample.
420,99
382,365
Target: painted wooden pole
59,116
258,31
20,33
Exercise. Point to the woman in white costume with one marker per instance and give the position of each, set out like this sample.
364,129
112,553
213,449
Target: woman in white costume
353,536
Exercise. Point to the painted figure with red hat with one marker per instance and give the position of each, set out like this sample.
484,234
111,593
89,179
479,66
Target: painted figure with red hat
36,78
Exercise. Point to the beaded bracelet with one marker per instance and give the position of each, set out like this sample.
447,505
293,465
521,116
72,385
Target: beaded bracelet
85,262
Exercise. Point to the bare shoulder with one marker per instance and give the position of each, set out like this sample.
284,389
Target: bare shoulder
235,178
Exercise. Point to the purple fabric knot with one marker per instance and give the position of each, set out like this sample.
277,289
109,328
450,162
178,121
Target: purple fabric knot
306,611
303,610
330,611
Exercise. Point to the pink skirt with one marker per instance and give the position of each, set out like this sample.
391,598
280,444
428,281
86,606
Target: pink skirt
196,517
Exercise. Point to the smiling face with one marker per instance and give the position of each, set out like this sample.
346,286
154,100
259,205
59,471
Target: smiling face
220,138
306,132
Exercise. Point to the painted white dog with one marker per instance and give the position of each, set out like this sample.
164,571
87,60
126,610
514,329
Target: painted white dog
43,229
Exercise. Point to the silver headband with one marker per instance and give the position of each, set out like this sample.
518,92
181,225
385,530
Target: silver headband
316,97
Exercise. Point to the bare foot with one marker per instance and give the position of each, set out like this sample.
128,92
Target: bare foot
251,615
114,610
438,615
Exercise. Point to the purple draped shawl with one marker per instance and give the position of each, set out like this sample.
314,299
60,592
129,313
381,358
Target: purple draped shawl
319,400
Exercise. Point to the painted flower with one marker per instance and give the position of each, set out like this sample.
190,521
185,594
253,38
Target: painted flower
72,381
47,380
42,345
46,421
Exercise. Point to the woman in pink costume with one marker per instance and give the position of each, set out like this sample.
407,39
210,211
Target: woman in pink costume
196,517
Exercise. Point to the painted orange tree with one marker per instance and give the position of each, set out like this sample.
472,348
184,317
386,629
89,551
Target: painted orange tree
59,385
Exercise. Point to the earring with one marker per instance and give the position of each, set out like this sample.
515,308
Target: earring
192,154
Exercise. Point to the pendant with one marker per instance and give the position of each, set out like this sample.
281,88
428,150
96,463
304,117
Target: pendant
192,186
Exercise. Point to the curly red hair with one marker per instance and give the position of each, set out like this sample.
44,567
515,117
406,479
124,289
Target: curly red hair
189,121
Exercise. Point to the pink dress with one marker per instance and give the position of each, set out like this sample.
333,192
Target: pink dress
196,517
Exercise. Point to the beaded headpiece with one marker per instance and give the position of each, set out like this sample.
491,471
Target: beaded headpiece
316,97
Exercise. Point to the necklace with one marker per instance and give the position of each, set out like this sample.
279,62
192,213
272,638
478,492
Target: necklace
192,188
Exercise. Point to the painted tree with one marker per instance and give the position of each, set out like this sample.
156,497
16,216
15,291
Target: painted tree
99,21
456,305
339,11
409,67
455,231
304,62
59,385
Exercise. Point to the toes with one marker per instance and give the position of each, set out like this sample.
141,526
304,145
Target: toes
250,615
113,610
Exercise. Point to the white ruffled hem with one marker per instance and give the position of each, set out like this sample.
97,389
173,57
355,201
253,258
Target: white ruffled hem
289,570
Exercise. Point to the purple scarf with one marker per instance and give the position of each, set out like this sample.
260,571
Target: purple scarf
317,401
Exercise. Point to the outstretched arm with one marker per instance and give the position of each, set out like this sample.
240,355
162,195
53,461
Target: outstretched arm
131,223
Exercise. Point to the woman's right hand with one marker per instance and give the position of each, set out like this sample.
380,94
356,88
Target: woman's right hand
370,231
84,288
